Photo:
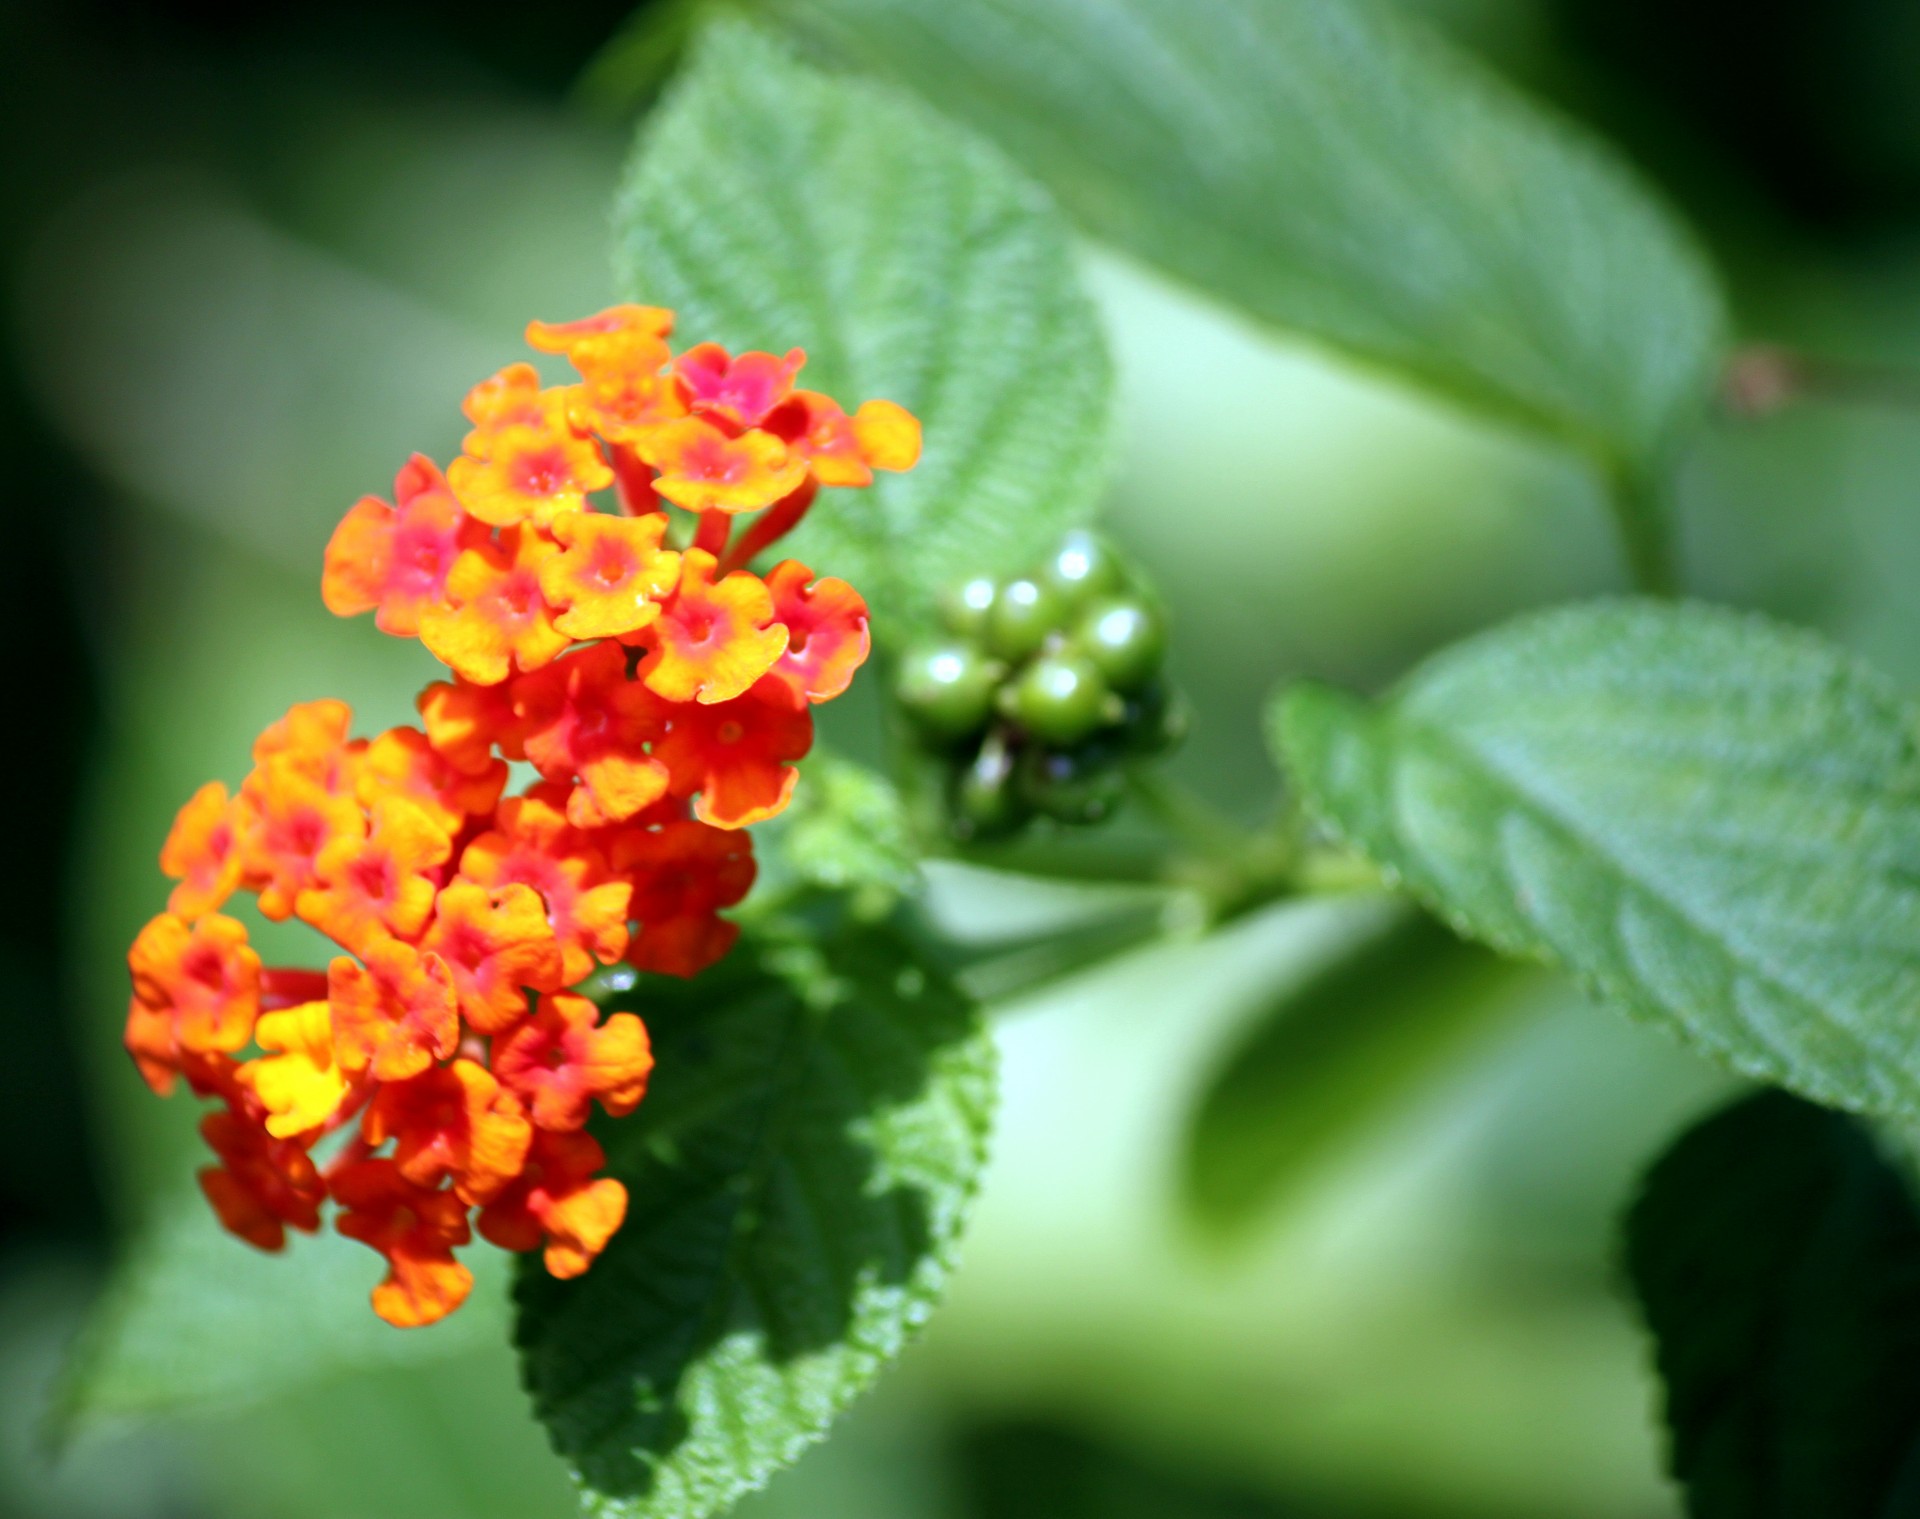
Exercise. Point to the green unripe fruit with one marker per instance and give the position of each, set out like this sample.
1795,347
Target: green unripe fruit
1024,614
986,800
948,688
965,607
1156,719
1072,786
1061,699
1124,640
1082,568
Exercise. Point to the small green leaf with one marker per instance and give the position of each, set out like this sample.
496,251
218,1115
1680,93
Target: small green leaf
775,207
798,1178
1338,1046
846,831
195,1319
1334,169
1776,1256
1713,820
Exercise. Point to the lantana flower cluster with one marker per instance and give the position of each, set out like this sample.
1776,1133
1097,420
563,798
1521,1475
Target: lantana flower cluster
437,1076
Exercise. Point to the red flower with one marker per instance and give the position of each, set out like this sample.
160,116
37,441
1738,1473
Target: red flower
416,1230
560,1061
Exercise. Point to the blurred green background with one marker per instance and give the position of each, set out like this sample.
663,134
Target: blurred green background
248,265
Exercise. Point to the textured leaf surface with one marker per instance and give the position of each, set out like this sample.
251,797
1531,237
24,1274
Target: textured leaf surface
195,1319
846,831
1336,1048
798,1178
1776,1256
1333,169
774,207
1714,820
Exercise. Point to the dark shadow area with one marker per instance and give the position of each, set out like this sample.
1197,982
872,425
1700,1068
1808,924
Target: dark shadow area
1338,1043
1813,102
1031,1469
1775,1251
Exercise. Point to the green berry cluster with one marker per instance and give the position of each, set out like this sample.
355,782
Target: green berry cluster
1045,686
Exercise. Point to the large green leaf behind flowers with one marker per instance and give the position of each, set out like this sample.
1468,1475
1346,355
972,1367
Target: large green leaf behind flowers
775,207
1332,168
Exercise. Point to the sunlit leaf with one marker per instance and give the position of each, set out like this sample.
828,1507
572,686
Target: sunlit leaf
1713,820
774,207
195,1319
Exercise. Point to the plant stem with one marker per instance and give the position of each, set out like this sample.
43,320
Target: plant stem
1195,821
1764,378
1646,532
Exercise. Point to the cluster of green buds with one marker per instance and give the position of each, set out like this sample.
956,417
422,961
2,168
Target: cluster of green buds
1045,687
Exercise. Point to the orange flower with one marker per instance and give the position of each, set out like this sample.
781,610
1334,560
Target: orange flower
395,1015
382,884
683,872
287,820
524,461
559,1062
263,1185
586,331
514,395
557,1198
692,692
620,354
624,392
611,577
311,740
826,625
496,942
584,718
402,763
495,616
535,846
466,722
705,469
202,853
740,390
454,1120
843,450
888,435
393,561
731,757
711,641
196,988
416,1230
298,1083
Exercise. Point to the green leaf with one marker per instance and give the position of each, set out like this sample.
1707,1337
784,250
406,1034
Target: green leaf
195,1319
1713,820
773,206
1333,169
798,1179
846,831
1357,1032
1776,1256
